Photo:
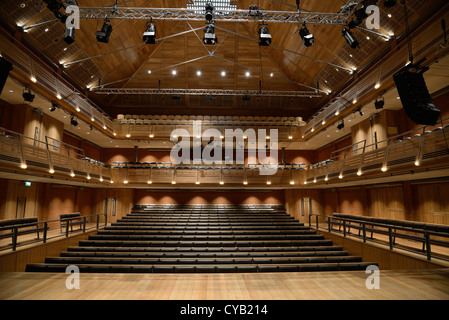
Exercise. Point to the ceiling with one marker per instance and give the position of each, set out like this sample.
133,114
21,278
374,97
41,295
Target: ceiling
286,65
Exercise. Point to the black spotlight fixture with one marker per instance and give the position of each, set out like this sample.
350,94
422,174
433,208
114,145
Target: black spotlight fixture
53,107
209,35
341,125
55,6
69,36
73,121
27,95
105,32
149,36
209,12
379,104
306,36
264,36
389,3
359,110
350,39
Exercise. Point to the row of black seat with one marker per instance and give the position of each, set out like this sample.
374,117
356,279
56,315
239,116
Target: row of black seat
160,239
351,266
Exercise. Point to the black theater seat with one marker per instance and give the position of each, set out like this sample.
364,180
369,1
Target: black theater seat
204,239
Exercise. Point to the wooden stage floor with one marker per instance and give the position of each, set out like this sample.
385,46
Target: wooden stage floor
348,285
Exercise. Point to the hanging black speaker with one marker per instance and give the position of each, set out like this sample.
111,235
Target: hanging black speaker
415,96
5,68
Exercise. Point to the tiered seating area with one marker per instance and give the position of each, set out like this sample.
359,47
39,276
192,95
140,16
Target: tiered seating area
204,239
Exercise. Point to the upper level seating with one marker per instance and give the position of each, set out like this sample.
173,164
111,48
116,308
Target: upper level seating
204,239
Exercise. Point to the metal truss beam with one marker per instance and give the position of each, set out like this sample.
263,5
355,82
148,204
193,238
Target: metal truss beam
238,15
210,92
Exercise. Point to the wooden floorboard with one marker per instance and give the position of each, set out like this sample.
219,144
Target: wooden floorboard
350,285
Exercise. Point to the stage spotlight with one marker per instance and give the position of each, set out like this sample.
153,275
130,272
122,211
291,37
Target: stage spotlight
69,37
209,12
341,125
149,36
105,32
27,95
359,110
306,36
389,3
379,104
264,36
53,107
350,39
209,35
73,121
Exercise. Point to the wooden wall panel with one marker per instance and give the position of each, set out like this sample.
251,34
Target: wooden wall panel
20,201
433,202
387,203
237,197
46,126
293,203
124,202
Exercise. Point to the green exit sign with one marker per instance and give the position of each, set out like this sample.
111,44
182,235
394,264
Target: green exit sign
27,184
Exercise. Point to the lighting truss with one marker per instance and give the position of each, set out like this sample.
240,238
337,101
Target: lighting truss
212,92
228,15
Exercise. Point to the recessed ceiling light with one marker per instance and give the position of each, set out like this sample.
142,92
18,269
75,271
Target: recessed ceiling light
11,91
389,15
46,30
149,71
247,73
271,74
65,49
368,38
174,72
223,73
198,73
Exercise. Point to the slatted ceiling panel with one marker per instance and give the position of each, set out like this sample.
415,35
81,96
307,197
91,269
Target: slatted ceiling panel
18,15
85,70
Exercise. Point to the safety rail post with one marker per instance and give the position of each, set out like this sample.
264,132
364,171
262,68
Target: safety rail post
84,224
385,161
22,155
317,222
418,158
44,236
390,238
343,164
344,227
14,238
364,231
98,221
428,250
67,228
105,219
329,222
50,165
362,158
310,222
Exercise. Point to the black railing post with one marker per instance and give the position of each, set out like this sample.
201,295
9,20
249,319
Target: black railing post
84,224
67,228
390,238
45,232
428,251
14,238
344,228
329,224
364,231
310,224
98,221
317,222
105,219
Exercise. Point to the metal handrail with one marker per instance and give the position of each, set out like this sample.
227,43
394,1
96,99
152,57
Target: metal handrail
15,230
389,229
